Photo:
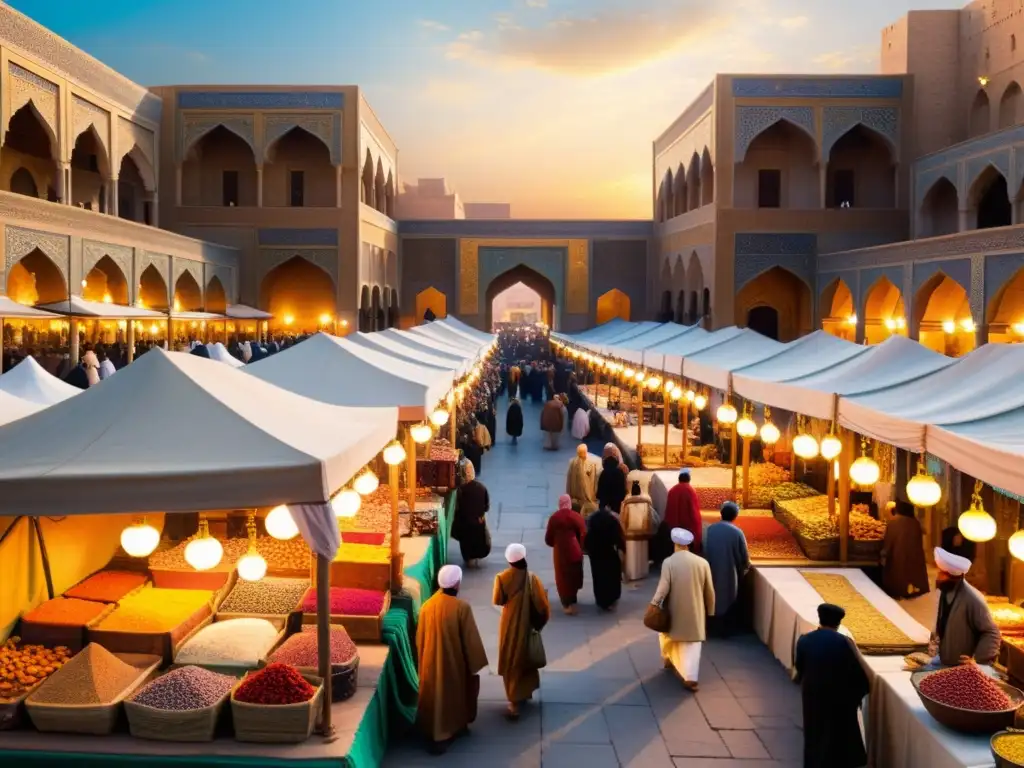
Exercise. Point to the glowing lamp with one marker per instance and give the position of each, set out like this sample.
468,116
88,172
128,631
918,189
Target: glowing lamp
948,326
439,417
346,503
978,525
289,319
769,433
177,304
108,299
805,446
1016,542
669,386
865,471
600,362
639,376
831,446
629,373
924,491
676,394
204,552
726,414
968,325
746,428
700,402
691,395
851,320
394,454
653,383
890,324
140,539
325,319
421,433
252,566
280,524
366,483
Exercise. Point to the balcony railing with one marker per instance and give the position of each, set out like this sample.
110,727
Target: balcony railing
960,244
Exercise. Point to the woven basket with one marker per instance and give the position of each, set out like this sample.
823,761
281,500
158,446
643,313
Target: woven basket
92,719
277,724
237,670
817,549
12,711
163,725
365,628
73,636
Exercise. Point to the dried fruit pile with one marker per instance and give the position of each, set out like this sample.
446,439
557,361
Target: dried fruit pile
788,491
965,687
347,601
65,612
156,610
809,517
184,689
1008,617
273,685
280,555
1010,746
269,596
94,676
107,586
441,450
22,667
868,626
765,473
768,539
713,498
301,649
235,643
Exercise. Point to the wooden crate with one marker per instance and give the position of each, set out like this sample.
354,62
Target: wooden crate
372,576
359,628
73,636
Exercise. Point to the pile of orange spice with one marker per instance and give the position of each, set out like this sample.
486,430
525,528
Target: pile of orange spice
65,611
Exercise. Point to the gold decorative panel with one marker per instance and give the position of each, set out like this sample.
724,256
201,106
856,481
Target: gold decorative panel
577,279
469,277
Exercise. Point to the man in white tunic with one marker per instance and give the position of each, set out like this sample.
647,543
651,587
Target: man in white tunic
687,592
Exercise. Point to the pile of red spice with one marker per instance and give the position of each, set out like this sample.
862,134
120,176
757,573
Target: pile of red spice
107,586
348,601
364,537
273,685
301,649
965,687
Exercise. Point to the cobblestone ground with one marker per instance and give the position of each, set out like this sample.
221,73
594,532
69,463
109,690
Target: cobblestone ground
605,699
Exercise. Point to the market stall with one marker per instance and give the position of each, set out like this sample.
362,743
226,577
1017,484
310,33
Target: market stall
13,333
403,349
28,381
247,321
104,321
450,337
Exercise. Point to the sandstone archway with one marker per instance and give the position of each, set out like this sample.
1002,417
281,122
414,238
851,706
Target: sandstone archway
776,304
531,279
432,299
31,144
940,209
298,294
838,314
152,289
35,279
106,282
884,312
611,305
942,316
216,296
219,170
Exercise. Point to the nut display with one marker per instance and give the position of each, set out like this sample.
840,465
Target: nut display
441,450
788,491
107,586
235,642
65,612
275,684
865,622
347,601
765,473
93,676
184,689
23,666
269,596
280,555
965,687
768,539
301,649
1010,746
155,610
1008,617
174,558
809,517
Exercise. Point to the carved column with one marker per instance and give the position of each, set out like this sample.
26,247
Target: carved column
259,186
154,218
64,183
177,184
337,185
112,197
963,220
823,185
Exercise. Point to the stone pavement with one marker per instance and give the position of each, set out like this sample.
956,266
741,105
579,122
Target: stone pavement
605,700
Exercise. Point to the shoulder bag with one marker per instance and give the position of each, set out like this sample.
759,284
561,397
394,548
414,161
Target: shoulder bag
536,656
657,618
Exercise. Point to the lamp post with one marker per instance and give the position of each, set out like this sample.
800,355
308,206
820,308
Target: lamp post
394,455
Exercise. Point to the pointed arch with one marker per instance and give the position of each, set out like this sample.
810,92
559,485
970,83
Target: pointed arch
270,151
679,193
669,200
694,288
861,170
533,280
838,313
942,316
783,123
152,293
142,164
35,279
884,311
216,299
678,280
777,303
90,169
980,116
298,293
693,195
106,282
611,305
432,299
30,143
297,171
219,170
1011,106
27,118
188,296
939,213
23,183
366,188
779,170
860,127
194,141
378,187
988,199
707,178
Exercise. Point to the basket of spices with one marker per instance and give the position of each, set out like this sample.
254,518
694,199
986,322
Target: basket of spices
276,705
85,694
360,611
62,621
23,668
363,566
1008,748
183,705
268,598
232,646
967,700
108,586
301,651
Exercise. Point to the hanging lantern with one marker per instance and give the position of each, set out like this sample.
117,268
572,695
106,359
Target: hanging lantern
252,566
864,471
140,539
1016,542
976,524
676,394
805,446
421,433
923,491
726,414
691,395
204,552
346,503
639,377
670,385
653,383
769,432
831,446
745,427
629,373
394,454
700,402
366,483
280,524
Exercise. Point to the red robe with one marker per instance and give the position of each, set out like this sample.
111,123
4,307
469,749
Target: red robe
565,534
682,510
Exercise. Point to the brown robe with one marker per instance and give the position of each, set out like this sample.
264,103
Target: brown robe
970,629
904,572
451,654
521,679
551,418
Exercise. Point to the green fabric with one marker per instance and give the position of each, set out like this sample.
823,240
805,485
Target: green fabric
425,571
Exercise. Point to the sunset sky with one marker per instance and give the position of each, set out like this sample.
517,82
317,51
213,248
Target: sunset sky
548,104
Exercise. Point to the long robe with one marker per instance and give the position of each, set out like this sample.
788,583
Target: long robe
970,630
833,684
726,551
565,534
682,510
451,654
611,489
520,678
581,484
687,591
514,420
638,523
904,571
469,527
604,543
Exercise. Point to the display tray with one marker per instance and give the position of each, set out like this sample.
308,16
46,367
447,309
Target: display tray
72,592
12,711
74,636
174,578
365,628
230,669
372,576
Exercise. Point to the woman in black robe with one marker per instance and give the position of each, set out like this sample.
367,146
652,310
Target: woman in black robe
611,487
472,450
469,527
514,421
605,546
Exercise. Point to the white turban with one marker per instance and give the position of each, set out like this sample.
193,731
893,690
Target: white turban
449,577
952,564
515,552
682,537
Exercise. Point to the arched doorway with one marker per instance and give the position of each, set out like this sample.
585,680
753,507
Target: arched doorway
22,183
299,294
693,184
393,310
298,172
152,289
532,280
30,143
679,191
433,300
694,287
779,170
365,311
942,316
668,196
188,297
106,282
610,305
707,179
517,304
989,200
35,279
940,209
366,187
219,171
861,171
838,315
1011,106
1005,316
884,312
133,188
90,170
679,291
779,294
980,115
377,309
216,296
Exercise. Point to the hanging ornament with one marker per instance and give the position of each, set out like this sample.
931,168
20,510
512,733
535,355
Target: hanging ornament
922,489
252,566
204,552
864,471
831,446
746,427
976,524
140,539
769,432
726,413
280,524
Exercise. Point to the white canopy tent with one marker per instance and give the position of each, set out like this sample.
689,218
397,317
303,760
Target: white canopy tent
989,449
209,317
668,357
460,333
243,312
612,327
621,336
467,330
446,335
29,381
396,348
632,349
76,306
422,341
13,408
176,432
713,365
12,309
220,353
333,370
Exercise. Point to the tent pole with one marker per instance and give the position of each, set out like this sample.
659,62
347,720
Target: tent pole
746,471
732,457
452,420
844,497
410,470
684,424
666,416
396,558
130,329
639,424
45,557
5,534
323,640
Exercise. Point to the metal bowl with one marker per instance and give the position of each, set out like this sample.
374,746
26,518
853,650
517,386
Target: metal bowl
969,720
1002,762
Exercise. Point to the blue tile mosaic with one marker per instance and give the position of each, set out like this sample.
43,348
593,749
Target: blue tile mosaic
261,100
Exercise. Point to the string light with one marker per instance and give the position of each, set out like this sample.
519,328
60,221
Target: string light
421,433
366,483
140,539
394,453
865,470
204,552
769,432
252,566
922,490
346,503
976,524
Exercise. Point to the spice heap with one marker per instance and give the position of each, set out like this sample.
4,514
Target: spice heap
22,667
107,586
275,684
363,553
1010,747
965,687
65,612
156,610
174,558
765,473
347,601
94,676
236,642
184,689
1008,617
441,450
768,539
865,622
280,555
269,596
301,649
713,498
809,517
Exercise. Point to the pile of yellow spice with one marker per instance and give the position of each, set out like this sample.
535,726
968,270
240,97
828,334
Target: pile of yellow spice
154,609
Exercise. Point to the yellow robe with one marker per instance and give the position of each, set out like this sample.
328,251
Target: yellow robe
451,654
521,679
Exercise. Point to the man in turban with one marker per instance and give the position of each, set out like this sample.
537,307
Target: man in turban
682,510
964,629
725,548
687,592
581,481
451,655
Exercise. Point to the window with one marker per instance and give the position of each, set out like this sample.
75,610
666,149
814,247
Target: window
769,188
1013,42
296,180
843,189
230,189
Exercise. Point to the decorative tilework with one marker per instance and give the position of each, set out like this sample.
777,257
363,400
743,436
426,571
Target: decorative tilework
469,277
751,121
85,113
31,77
1000,270
325,258
193,268
958,270
772,243
757,253
976,293
964,244
28,87
19,242
578,279
261,100
308,237
926,180
131,135
321,125
869,87
976,165
193,129
836,121
161,262
121,255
